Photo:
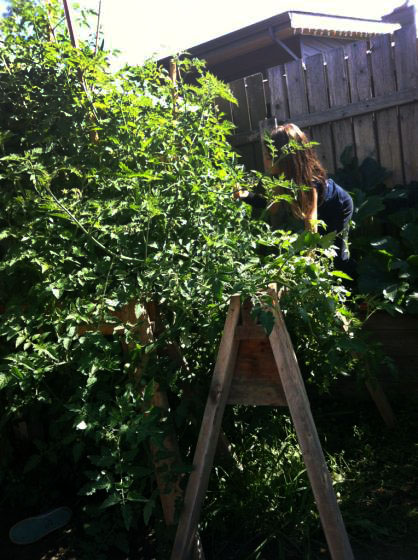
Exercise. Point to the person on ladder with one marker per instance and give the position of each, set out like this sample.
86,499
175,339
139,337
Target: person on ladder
322,200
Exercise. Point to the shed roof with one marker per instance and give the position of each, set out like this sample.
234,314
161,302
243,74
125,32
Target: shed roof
285,25
312,24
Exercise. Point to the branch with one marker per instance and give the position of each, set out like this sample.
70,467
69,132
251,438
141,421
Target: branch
84,230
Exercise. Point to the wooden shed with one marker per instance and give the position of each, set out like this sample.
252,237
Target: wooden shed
283,38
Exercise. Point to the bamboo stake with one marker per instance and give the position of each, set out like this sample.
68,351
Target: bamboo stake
67,11
94,137
173,78
98,26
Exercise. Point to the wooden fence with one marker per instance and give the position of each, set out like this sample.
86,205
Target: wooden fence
363,95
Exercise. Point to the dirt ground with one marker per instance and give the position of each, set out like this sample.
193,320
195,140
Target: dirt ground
60,546
392,494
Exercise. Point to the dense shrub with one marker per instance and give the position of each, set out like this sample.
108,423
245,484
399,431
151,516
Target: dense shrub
384,241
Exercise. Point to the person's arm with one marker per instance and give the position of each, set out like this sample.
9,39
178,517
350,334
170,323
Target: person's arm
311,216
255,200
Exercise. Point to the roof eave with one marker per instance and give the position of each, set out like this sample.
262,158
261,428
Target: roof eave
257,36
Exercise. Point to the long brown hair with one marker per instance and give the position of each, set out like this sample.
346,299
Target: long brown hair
303,166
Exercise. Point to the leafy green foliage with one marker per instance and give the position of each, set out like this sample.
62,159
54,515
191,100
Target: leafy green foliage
117,188
384,241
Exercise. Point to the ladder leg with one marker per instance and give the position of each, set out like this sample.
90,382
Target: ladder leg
320,479
208,436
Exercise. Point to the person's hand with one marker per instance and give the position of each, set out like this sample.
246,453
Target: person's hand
240,193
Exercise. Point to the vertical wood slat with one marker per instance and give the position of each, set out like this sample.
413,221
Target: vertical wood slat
387,120
224,107
255,98
278,93
298,103
406,72
360,88
406,57
339,96
267,97
318,101
240,115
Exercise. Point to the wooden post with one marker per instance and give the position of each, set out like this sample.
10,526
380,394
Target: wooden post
173,78
320,479
208,436
144,330
169,494
381,401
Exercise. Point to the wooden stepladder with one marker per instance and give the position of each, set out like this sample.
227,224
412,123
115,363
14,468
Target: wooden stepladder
256,369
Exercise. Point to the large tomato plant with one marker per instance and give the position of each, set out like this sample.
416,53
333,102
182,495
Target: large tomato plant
117,187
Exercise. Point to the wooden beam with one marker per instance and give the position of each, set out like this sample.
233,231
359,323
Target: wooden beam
381,401
338,113
208,436
320,479
359,108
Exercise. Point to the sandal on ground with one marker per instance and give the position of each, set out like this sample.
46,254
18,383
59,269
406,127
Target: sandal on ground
33,529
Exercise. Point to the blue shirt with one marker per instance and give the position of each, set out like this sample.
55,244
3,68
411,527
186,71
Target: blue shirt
335,210
337,207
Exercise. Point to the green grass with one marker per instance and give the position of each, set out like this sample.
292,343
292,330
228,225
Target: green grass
266,510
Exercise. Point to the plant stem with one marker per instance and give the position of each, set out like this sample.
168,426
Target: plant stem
93,239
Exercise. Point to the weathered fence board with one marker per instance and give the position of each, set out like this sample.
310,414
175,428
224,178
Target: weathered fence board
256,100
278,93
240,113
318,101
361,90
339,97
406,72
405,57
224,106
383,73
298,103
